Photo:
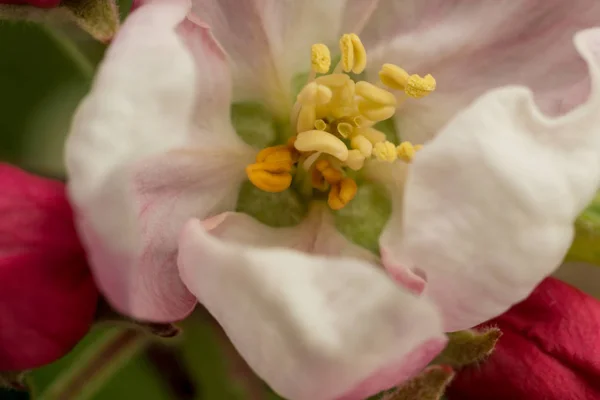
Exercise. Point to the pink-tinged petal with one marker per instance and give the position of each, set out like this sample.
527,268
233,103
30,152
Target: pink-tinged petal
548,351
316,234
150,147
490,203
311,326
269,41
47,294
471,47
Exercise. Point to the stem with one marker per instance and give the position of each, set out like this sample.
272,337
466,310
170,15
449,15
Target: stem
97,365
70,50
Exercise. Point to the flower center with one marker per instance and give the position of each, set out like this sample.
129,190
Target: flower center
333,120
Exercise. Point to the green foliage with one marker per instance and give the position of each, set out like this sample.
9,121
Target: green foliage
586,244
469,347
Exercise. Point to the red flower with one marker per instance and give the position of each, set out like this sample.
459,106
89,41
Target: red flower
35,3
549,351
47,295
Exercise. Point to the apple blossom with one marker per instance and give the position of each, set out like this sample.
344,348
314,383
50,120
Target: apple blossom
224,156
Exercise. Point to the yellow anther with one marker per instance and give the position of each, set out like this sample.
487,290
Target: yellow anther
393,76
318,181
330,174
315,140
341,194
385,151
418,87
362,144
345,129
373,135
355,160
321,125
275,154
375,94
270,177
345,94
333,80
314,93
361,122
360,54
354,55
347,52
306,118
418,147
375,112
320,58
406,151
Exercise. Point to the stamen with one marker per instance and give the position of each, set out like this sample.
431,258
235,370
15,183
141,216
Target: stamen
310,160
313,94
320,58
315,140
330,174
373,135
274,154
406,151
355,160
393,76
362,144
385,151
321,125
271,177
317,180
361,122
418,87
306,118
375,112
414,86
333,80
345,129
360,54
375,94
347,52
341,193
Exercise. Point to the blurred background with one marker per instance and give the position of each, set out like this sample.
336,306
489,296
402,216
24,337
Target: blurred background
44,73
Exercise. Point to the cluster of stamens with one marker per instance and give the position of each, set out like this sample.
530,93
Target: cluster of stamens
334,118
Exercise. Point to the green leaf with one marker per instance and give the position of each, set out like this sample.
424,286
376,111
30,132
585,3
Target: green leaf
100,18
469,347
586,244
429,385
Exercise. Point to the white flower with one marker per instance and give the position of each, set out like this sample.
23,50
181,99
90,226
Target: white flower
484,214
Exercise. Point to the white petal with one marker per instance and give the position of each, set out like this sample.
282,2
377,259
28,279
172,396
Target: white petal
316,234
471,47
131,190
269,41
490,203
312,327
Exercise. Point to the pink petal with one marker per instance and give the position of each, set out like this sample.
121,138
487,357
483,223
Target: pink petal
269,41
150,147
47,295
548,350
316,234
471,47
311,326
490,203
